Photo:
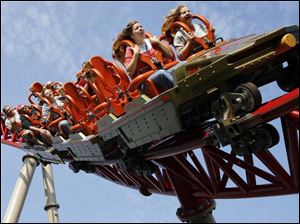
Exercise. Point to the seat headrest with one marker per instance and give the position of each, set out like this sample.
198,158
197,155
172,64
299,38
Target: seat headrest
36,87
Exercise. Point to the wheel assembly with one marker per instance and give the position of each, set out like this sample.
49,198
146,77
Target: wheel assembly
256,139
251,97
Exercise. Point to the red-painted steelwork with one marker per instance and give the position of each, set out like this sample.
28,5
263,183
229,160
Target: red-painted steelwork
181,171
211,177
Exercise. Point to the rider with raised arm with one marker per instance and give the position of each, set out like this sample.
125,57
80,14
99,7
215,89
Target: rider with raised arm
135,32
13,124
29,115
49,113
184,42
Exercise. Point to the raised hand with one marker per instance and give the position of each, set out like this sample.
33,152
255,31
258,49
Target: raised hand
136,50
191,36
212,28
154,40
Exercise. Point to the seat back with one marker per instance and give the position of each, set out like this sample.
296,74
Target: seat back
36,89
114,79
111,83
101,88
72,94
97,86
83,106
79,107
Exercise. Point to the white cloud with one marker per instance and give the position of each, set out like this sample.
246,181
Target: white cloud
58,38
42,34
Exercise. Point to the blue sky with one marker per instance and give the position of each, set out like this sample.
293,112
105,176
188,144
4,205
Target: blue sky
42,41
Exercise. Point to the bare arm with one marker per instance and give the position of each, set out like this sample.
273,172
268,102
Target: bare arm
34,129
165,50
131,67
183,54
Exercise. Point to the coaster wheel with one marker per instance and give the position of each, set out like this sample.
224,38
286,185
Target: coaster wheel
252,96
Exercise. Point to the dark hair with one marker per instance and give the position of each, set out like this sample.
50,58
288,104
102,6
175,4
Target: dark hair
89,74
4,109
124,35
127,31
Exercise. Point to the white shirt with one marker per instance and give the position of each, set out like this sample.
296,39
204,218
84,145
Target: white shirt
10,122
146,46
181,37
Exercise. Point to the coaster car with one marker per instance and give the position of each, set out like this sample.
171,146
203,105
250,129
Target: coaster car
213,88
215,97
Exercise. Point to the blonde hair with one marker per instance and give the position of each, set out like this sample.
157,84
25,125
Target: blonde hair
171,17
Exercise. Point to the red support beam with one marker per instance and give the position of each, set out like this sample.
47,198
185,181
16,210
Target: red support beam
182,191
294,118
272,164
171,166
291,140
160,179
232,174
154,183
115,174
258,191
213,170
199,177
252,169
250,176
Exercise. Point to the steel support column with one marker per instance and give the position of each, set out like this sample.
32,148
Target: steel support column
19,194
193,209
51,206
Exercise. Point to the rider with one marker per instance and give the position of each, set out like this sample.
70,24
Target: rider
135,32
183,41
49,114
13,123
40,133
